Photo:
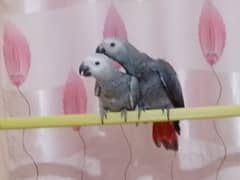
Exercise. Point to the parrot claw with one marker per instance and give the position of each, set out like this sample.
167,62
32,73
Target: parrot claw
139,113
124,115
163,110
140,109
168,112
103,116
102,119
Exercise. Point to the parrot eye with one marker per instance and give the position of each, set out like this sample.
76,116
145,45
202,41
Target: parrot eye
97,63
112,44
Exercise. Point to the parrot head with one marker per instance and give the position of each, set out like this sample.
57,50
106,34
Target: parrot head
97,65
120,51
114,48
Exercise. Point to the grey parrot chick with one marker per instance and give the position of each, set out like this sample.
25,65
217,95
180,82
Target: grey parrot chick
116,91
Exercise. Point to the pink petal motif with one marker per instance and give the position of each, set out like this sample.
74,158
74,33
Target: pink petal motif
212,34
74,99
16,54
114,27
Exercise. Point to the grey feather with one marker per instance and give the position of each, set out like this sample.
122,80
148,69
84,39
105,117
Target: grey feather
158,81
116,91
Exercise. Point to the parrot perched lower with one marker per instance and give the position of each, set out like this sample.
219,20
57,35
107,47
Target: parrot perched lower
158,83
117,91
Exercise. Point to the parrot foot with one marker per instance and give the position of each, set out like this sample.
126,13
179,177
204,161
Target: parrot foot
102,119
103,116
140,109
168,112
163,110
124,114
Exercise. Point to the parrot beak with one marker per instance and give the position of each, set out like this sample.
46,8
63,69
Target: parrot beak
100,49
83,69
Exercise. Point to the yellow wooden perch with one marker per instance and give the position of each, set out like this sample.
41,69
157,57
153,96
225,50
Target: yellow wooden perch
210,112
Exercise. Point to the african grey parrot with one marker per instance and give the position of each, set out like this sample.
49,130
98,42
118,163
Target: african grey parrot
117,91
158,82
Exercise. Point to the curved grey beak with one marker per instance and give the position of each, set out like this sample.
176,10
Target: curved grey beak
84,70
100,49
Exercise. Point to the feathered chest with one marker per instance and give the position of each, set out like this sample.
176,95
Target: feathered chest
113,88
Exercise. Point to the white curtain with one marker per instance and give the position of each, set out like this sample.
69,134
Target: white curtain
62,33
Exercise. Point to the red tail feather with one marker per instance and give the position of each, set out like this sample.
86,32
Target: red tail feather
166,134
